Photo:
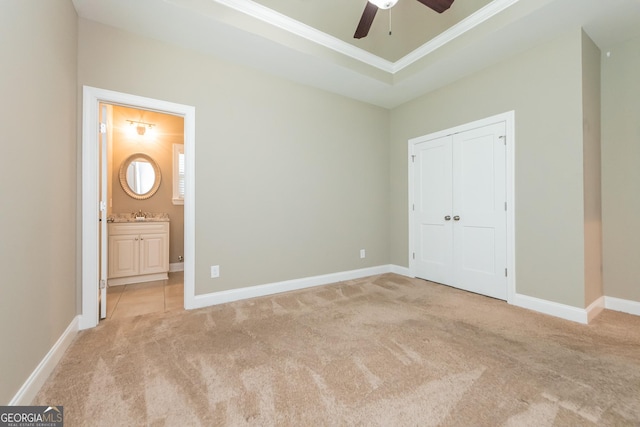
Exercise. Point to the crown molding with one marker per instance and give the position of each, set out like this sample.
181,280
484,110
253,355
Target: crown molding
282,21
293,26
470,22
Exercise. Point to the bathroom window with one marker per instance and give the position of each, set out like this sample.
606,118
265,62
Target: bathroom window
178,174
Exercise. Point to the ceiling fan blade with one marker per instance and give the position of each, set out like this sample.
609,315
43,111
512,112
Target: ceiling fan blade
366,21
437,5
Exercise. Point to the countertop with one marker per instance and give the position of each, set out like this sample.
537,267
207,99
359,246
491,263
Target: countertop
132,217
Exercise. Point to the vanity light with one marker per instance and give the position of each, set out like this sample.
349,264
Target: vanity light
141,127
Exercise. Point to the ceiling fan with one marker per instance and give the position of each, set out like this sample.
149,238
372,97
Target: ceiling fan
373,5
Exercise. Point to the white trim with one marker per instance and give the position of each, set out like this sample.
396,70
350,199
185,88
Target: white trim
90,233
293,26
623,305
563,311
551,308
594,309
32,385
470,22
177,198
91,99
580,315
176,266
230,295
509,119
402,271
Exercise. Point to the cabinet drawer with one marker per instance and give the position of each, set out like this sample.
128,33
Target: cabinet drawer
138,228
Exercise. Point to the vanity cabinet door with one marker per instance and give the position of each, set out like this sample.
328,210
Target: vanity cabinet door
154,253
124,255
138,252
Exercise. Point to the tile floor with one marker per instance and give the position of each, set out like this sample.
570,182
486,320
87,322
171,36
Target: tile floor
144,298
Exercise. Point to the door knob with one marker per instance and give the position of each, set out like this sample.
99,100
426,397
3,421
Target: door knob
456,218
447,218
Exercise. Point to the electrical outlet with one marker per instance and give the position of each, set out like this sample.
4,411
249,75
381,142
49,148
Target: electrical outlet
362,253
215,271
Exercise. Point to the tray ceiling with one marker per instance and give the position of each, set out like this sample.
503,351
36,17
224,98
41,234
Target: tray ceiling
412,24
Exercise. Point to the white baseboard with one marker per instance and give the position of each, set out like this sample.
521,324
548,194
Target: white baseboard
563,311
580,315
222,297
623,305
176,266
594,309
32,386
402,271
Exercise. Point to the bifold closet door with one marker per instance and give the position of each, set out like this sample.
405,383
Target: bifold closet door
460,212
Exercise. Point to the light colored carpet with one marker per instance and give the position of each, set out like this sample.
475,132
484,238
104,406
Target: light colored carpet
385,350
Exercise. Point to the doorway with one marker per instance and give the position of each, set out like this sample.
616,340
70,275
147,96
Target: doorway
461,208
91,203
142,166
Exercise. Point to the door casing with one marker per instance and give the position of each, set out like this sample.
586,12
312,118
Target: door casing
509,119
92,97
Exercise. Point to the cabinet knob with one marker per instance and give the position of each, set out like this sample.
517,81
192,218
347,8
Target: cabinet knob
447,218
456,218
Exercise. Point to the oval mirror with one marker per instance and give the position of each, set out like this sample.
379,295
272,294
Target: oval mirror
140,176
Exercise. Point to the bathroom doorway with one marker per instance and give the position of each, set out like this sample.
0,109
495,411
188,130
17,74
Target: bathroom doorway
141,111
142,252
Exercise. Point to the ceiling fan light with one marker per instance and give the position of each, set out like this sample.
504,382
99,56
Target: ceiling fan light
384,4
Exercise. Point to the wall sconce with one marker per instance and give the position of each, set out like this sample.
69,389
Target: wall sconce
141,127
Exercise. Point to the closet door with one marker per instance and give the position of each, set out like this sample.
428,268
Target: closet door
459,211
479,211
432,216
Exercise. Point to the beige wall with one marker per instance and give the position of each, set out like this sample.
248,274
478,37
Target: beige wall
543,86
39,193
158,144
592,187
290,181
621,170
